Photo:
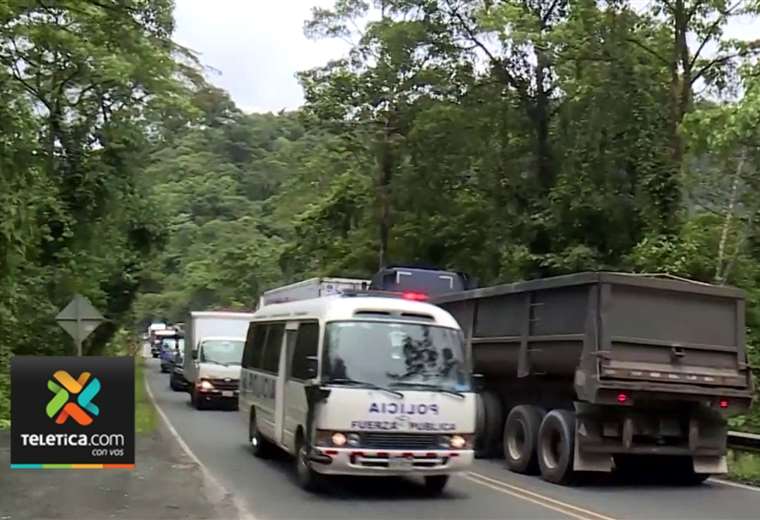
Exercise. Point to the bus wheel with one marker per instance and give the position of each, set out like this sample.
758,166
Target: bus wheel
556,446
308,479
197,400
521,437
434,484
260,447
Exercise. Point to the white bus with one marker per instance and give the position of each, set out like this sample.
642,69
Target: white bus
358,385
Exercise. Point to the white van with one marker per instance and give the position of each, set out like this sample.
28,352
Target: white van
211,362
358,385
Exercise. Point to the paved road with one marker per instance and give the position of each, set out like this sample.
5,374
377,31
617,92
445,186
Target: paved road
268,490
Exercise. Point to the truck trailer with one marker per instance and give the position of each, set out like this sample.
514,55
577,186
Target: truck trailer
606,371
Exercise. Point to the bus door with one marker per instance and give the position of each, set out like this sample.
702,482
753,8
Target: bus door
291,330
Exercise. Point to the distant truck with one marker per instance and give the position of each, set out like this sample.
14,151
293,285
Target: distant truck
603,371
152,330
214,344
311,288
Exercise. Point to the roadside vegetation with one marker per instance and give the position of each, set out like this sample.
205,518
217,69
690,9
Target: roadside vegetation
512,139
145,410
744,466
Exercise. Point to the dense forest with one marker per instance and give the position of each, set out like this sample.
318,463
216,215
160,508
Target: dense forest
510,139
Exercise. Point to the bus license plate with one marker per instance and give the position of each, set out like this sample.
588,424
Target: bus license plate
228,393
401,463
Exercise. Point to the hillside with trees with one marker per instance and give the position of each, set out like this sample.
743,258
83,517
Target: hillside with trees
509,139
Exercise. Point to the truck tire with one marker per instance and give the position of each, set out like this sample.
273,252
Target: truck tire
493,423
521,437
556,447
480,428
680,471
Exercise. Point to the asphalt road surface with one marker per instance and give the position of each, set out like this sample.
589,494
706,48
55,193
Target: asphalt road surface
267,488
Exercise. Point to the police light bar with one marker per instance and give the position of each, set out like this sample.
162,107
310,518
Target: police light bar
406,295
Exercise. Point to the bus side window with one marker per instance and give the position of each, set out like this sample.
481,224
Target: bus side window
254,345
307,342
248,350
270,359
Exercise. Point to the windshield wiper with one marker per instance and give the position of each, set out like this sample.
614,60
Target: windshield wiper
436,388
349,381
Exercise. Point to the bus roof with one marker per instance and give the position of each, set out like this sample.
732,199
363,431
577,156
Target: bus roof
340,307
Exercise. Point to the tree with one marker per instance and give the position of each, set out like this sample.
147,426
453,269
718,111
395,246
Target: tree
374,93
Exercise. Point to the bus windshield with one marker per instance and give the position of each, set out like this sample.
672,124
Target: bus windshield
222,352
391,354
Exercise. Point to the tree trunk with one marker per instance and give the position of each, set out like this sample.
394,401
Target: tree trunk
541,121
720,273
384,176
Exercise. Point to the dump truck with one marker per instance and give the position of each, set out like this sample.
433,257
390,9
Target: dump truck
606,371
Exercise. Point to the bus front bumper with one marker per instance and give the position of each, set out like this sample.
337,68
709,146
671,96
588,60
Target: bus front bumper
337,461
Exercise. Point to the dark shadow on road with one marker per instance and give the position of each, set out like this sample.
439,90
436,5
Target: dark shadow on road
341,488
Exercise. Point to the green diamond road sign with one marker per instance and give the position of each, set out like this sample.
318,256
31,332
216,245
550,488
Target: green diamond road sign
79,318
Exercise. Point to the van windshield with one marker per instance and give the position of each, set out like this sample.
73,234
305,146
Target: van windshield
395,354
222,352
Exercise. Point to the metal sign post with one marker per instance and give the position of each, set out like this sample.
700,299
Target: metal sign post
79,318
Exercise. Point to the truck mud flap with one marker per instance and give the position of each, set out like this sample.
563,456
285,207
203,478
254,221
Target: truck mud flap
711,465
586,461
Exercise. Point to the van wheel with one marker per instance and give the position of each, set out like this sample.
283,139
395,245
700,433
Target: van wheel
308,479
521,437
556,445
434,484
260,447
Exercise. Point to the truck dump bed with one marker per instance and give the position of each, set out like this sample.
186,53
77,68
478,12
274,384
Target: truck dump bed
607,332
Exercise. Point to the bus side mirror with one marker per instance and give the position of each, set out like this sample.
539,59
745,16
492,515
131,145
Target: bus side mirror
478,383
312,363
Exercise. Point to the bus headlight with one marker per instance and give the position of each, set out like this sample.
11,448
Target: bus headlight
354,440
457,442
338,439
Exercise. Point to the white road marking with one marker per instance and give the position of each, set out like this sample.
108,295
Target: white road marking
532,496
243,512
734,484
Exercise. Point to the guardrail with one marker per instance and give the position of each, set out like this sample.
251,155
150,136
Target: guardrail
744,441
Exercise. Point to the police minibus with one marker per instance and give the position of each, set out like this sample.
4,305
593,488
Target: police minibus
355,384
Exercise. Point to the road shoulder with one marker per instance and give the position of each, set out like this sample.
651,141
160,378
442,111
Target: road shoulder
166,483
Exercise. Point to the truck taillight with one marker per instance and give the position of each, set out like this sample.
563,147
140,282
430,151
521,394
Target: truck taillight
723,403
622,397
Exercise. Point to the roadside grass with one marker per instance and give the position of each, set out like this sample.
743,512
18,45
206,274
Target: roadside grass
744,466
145,412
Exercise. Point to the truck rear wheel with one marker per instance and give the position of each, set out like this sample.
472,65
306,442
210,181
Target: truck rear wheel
521,438
556,446
680,471
489,438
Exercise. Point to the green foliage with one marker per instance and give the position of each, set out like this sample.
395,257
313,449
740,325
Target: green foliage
509,139
85,90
